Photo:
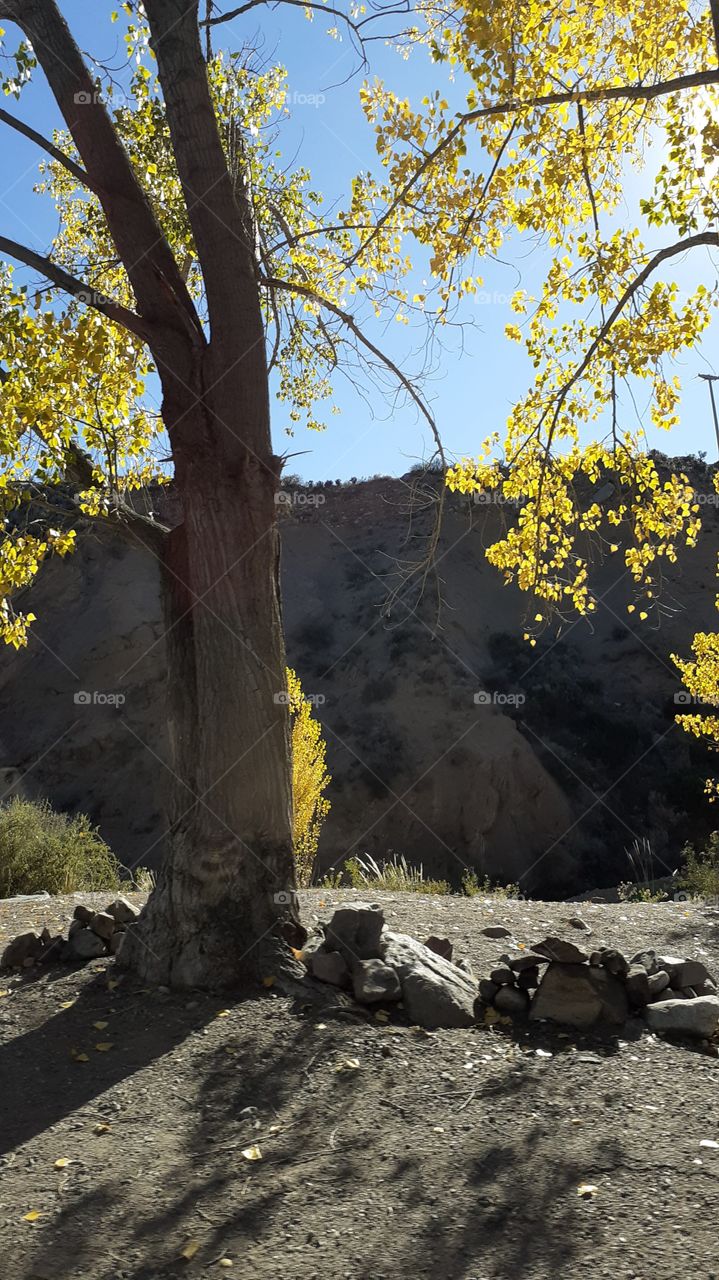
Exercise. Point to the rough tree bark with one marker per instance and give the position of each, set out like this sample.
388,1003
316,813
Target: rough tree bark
223,902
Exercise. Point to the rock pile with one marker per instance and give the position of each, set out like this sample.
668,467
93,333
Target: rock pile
580,990
91,934
356,952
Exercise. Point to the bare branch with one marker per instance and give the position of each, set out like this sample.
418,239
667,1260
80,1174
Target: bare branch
28,132
83,292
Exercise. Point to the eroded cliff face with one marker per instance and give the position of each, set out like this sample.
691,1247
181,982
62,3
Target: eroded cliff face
451,742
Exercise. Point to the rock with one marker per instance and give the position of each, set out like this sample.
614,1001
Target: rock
706,988
597,958
122,911
511,1000
578,996
488,989
465,966
116,942
86,945
558,949
496,931
103,925
82,913
637,986
53,950
435,992
25,947
502,977
440,946
528,979
519,963
646,958
355,931
697,1017
372,980
614,962
686,973
576,922
329,966
658,982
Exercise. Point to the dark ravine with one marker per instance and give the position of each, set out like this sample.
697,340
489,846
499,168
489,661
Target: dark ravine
569,754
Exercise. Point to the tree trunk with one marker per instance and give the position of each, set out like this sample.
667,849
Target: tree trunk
225,896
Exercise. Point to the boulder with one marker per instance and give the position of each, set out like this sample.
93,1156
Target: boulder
658,982
488,990
519,963
84,945
687,973
436,993
329,966
706,988
579,996
528,979
27,946
646,958
496,931
122,911
698,1017
558,949
502,977
614,962
103,925
355,931
512,1000
82,913
372,980
637,986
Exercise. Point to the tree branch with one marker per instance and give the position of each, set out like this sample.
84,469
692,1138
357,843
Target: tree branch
28,132
603,93
77,289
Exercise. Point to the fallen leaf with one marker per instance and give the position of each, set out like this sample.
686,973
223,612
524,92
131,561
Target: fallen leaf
101,1128
79,1057
33,1215
224,1013
104,1046
297,952
67,1004
62,1163
587,1189
225,1262
269,981
252,1153
348,1065
190,1249
543,1053
99,1026
4,993
381,1015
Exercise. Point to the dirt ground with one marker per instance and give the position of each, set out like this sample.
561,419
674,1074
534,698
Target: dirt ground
454,1155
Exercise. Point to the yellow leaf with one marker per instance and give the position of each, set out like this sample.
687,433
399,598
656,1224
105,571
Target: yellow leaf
190,1249
67,1004
225,1262
99,1026
587,1189
79,1057
104,1046
62,1163
347,1066
252,1153
33,1215
4,993
224,1013
101,1128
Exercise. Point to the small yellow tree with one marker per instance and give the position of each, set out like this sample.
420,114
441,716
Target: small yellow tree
310,780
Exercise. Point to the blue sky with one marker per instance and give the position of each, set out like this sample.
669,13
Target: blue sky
479,374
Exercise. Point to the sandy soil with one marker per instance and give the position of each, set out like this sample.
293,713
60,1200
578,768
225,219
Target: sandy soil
455,1155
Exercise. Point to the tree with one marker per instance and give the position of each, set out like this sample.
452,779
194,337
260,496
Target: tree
310,779
563,104
185,252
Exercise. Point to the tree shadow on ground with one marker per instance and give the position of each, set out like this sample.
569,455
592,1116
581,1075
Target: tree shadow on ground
368,1174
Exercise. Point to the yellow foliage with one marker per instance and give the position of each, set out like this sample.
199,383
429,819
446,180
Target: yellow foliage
310,780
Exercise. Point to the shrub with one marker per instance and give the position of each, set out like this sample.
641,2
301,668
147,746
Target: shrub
699,875
395,874
41,849
473,887
310,780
